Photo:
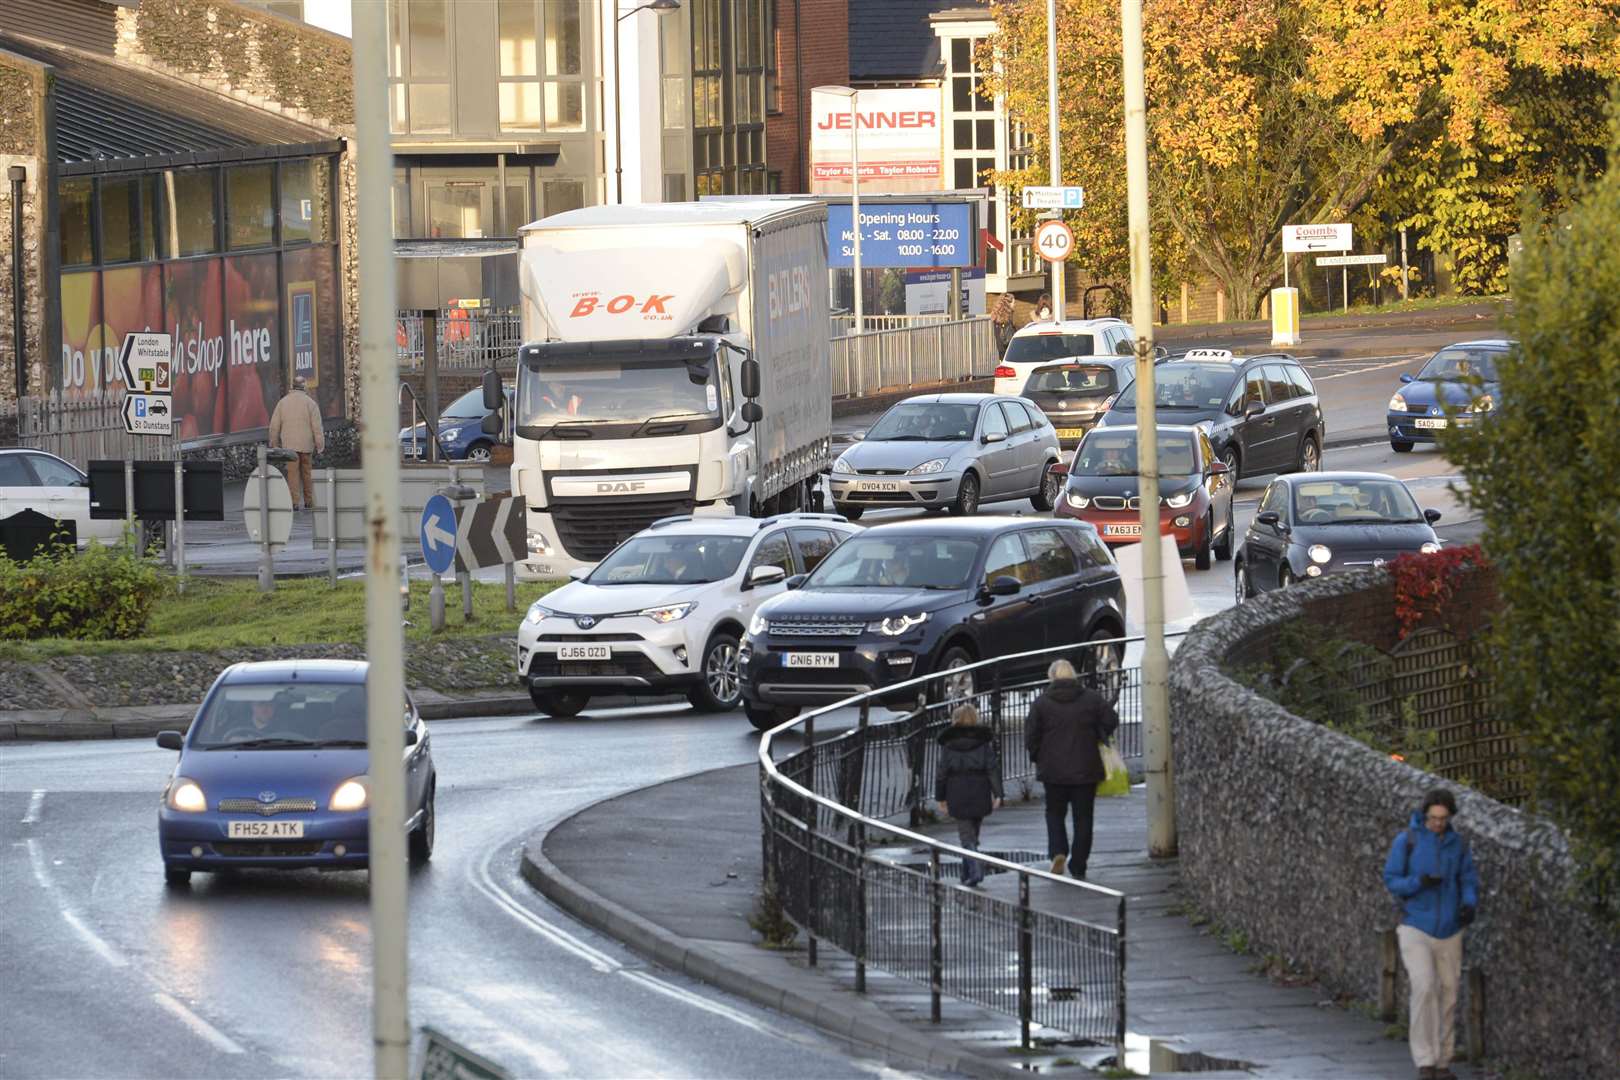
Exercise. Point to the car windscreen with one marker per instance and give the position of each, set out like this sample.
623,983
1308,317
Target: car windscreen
608,387
1187,386
282,715
926,422
897,562
1073,380
1041,348
1112,452
1456,365
470,404
671,560
1354,502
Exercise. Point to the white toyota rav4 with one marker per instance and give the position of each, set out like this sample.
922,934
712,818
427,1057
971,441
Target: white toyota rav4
665,610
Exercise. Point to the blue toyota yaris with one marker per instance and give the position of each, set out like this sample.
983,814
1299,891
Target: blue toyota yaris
274,773
1459,379
461,433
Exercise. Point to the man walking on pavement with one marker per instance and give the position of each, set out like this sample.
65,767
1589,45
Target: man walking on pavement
1431,873
296,426
1066,725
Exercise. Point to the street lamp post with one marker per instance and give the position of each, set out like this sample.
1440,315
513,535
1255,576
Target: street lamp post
854,97
663,7
1056,157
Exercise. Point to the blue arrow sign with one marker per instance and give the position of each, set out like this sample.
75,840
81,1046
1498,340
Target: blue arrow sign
439,534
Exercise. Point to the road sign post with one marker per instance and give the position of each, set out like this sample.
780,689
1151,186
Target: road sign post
1345,262
180,525
146,363
1308,238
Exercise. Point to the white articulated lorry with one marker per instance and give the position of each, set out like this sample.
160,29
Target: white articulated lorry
675,361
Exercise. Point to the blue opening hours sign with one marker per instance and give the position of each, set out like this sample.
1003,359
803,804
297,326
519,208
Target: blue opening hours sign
911,235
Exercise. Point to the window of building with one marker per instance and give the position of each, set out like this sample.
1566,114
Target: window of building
516,208
151,235
74,200
460,208
419,65
193,212
250,207
541,65
561,195
120,220
728,96
773,34
674,187
306,195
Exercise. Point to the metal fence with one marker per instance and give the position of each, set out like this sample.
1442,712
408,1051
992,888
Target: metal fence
470,339
845,324
85,429
877,890
937,352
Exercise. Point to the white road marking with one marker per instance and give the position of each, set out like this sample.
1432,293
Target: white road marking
35,802
1402,362
202,1028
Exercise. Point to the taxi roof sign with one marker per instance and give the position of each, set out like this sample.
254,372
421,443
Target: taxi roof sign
1220,356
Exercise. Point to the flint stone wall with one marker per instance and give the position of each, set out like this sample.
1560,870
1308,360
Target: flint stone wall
1284,827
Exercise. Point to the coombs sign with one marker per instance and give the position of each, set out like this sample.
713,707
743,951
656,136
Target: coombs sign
901,144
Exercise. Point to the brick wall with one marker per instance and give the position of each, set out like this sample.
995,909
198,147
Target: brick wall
824,40
1284,827
22,142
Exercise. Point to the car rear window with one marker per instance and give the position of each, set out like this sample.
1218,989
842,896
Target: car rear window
1041,348
1073,380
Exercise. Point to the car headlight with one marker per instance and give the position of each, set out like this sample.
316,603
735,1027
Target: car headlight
1077,500
1484,403
449,434
352,794
936,465
538,613
668,613
895,625
756,626
1176,502
1320,553
1430,548
1397,403
186,795
538,544
842,465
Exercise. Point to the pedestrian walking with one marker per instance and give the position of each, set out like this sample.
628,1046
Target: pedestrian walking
1001,323
967,781
296,425
1431,873
1043,308
1066,726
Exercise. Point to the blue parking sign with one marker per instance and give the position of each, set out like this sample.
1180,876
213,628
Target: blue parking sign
140,406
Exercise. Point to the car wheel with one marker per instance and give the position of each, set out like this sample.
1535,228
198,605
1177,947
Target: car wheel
559,703
422,836
1285,578
1400,446
1242,587
1223,548
1310,455
1201,554
1232,464
176,878
967,496
1051,485
1101,664
850,513
953,683
765,717
478,452
720,689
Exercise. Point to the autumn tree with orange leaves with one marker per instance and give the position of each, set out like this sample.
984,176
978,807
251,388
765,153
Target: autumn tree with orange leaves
1436,114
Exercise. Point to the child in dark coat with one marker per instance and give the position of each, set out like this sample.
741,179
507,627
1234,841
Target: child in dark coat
967,781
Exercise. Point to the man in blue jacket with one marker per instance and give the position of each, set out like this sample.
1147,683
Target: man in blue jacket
1431,872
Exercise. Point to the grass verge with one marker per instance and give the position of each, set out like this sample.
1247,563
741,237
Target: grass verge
232,613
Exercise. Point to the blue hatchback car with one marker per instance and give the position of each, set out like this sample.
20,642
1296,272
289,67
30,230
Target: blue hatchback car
1459,379
461,432
274,773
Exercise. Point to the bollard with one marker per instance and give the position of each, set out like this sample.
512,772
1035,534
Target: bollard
267,574
936,937
179,526
129,500
436,603
331,527
511,587
1026,961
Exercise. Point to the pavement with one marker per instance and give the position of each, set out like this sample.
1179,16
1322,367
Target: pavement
673,870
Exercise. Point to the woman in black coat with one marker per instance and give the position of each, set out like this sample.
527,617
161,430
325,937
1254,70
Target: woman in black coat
967,781
1066,726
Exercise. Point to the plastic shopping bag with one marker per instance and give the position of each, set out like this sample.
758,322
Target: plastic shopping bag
1118,780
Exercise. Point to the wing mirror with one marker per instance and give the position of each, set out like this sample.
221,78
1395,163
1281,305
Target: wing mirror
994,437
579,573
1407,376
750,378
764,575
795,581
1431,516
170,740
751,412
491,424
494,395
1268,517
1005,585
411,737
858,436
1219,468
1253,409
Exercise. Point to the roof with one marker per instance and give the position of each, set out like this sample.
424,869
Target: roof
982,525
113,115
1067,326
278,671
666,215
893,39
1487,343
1337,477
728,525
1162,429
951,399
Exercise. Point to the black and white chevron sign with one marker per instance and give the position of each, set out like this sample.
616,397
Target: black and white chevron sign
492,533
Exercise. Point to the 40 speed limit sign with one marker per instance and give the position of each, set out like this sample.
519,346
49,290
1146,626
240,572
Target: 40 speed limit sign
1054,241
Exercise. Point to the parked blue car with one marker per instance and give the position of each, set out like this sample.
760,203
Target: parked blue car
274,773
461,434
1460,380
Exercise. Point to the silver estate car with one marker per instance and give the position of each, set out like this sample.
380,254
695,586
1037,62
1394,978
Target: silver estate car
950,451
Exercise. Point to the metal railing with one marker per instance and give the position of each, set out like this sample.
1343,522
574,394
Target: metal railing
875,890
938,352
845,324
468,339
86,429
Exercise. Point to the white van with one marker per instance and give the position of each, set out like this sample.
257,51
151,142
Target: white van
1048,342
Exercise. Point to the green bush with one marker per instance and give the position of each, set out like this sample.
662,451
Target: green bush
1545,476
96,594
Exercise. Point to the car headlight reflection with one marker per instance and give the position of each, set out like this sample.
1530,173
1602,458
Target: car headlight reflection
449,434
895,625
538,613
1397,403
842,465
1077,500
756,626
934,466
1320,553
668,613
352,794
1176,502
187,796
1430,548
1484,403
